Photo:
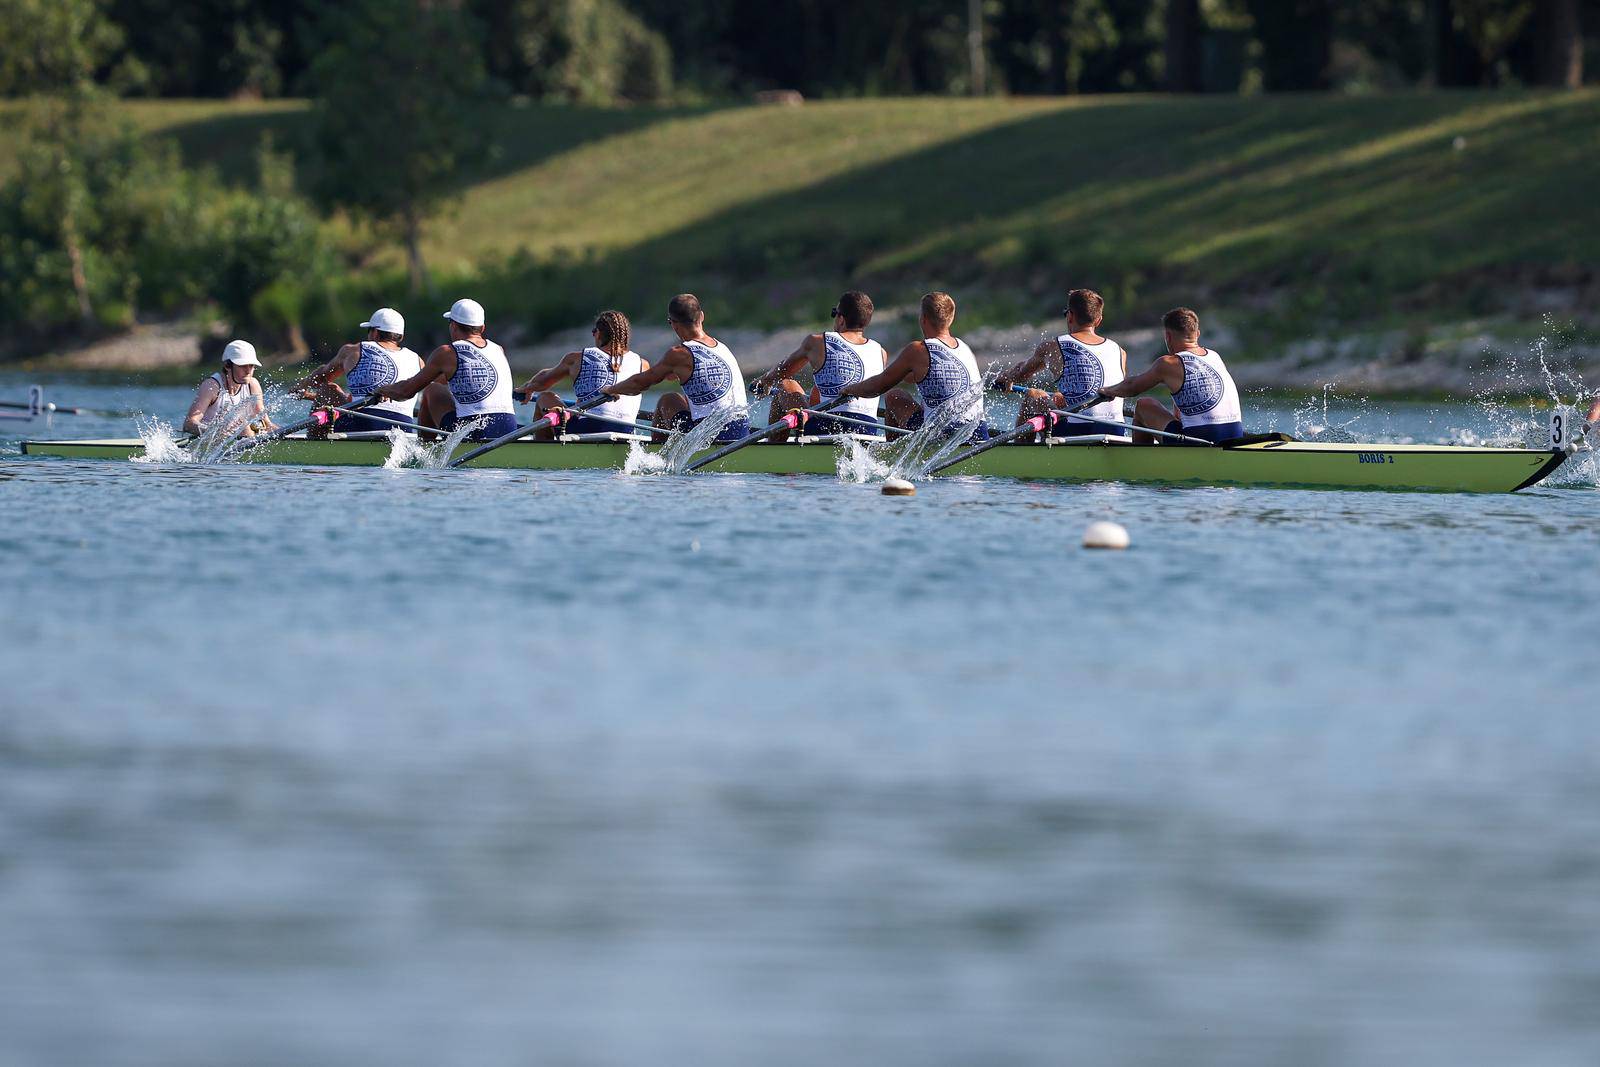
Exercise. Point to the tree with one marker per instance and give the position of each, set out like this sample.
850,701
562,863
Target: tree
1560,30
400,108
582,51
1183,46
1296,42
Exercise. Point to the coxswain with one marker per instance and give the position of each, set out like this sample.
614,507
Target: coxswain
466,382
232,397
942,368
713,386
603,363
836,358
1203,391
367,366
1081,363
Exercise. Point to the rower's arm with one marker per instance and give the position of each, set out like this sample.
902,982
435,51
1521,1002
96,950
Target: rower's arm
440,367
671,366
1161,372
340,364
204,397
550,377
1025,370
262,419
813,350
899,369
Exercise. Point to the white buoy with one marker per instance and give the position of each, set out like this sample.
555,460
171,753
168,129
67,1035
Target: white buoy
1105,535
898,487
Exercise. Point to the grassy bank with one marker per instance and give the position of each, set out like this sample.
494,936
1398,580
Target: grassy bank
1304,212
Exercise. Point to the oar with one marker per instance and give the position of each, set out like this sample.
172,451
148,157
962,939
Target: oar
792,421
554,417
1037,424
319,417
859,420
1077,413
417,426
639,424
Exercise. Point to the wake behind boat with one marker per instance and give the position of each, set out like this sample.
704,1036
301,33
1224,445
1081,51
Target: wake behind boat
1272,461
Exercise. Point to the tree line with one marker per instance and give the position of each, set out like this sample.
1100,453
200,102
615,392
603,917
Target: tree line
609,51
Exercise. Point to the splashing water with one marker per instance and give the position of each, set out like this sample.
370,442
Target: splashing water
1314,422
941,436
409,450
680,450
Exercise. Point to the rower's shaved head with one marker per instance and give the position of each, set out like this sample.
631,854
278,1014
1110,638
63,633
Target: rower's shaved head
855,308
1087,306
939,310
1182,323
685,310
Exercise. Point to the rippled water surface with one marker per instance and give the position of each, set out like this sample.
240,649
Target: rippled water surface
420,767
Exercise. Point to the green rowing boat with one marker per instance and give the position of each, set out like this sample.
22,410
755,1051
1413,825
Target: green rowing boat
1273,461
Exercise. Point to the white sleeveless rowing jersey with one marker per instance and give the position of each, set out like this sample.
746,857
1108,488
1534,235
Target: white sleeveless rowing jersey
847,363
481,384
380,366
1086,369
953,379
717,384
595,374
228,406
1208,396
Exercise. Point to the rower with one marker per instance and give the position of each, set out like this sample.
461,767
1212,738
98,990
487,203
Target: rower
231,398
713,385
1081,362
839,357
1203,391
942,368
368,365
601,364
467,381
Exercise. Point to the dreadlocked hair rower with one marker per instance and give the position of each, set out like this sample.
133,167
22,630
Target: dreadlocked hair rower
467,381
603,363
713,385
942,368
839,357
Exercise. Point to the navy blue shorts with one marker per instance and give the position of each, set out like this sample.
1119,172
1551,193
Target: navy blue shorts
362,424
980,434
589,424
826,425
1222,431
737,430
1063,428
489,427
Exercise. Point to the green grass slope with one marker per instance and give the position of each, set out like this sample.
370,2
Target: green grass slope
1321,205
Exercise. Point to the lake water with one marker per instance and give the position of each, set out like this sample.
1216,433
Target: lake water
421,767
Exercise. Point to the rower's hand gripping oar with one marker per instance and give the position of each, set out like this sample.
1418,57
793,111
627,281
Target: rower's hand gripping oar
553,417
1037,424
1077,413
319,417
793,420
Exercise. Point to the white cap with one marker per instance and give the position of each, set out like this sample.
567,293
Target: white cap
241,352
466,313
386,319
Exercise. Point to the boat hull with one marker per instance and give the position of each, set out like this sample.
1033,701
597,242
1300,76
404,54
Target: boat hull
1285,464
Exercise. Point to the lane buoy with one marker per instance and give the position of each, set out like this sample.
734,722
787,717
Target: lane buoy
1105,535
898,487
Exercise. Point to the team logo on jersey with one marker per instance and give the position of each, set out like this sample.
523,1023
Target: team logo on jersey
1081,374
594,374
711,379
842,366
946,376
1202,387
475,377
375,370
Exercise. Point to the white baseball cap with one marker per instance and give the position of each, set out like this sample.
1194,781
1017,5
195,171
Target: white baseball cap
241,352
466,313
386,319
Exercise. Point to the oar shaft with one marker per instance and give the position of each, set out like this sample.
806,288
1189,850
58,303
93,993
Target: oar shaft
1037,424
859,420
1137,429
418,427
789,421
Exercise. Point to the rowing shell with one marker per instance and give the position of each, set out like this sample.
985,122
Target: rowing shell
1275,463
